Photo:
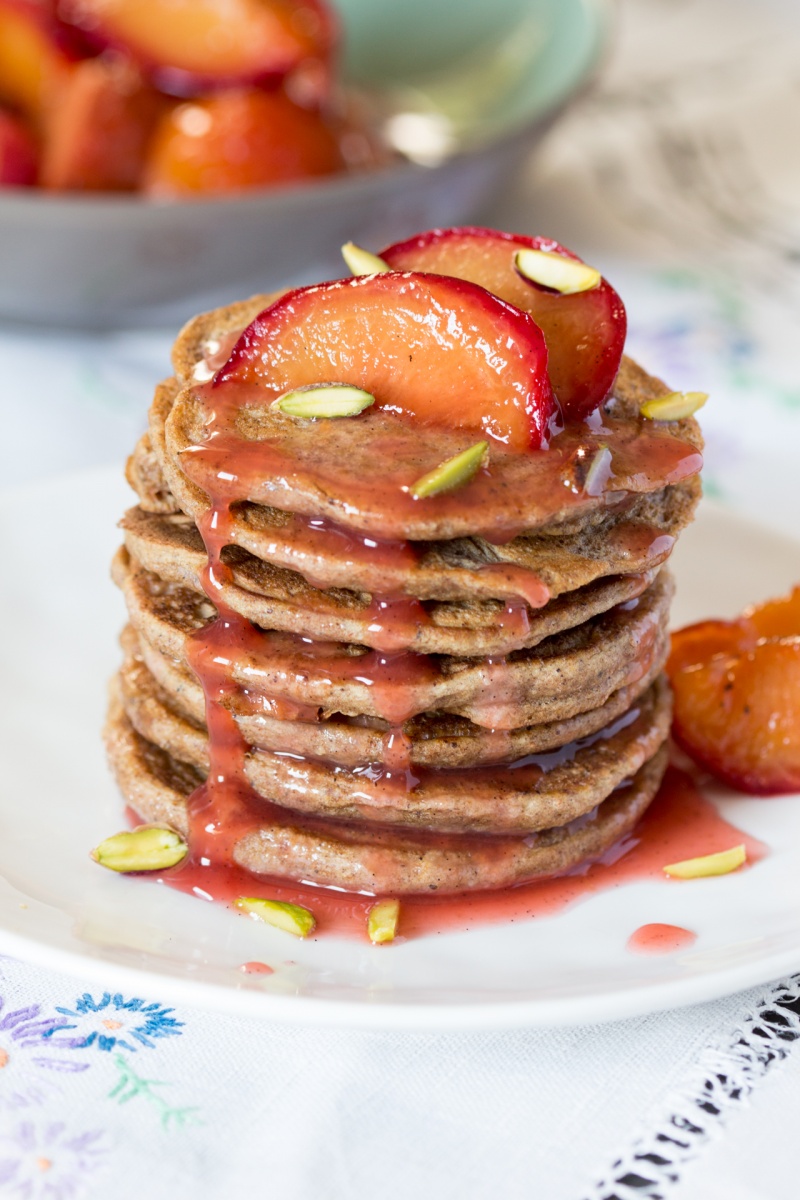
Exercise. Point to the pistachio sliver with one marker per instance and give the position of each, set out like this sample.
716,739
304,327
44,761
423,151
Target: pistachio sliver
565,275
721,863
598,472
324,400
382,921
149,848
674,406
291,918
363,262
450,474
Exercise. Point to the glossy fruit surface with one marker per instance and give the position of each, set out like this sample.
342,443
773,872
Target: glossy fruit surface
235,140
192,45
737,696
438,351
775,618
98,133
18,153
584,332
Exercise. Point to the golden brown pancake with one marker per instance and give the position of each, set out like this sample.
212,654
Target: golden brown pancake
554,789
365,859
571,672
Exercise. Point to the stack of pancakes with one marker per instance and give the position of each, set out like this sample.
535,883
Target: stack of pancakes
500,743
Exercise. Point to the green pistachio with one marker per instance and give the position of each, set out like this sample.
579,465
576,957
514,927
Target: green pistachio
674,406
710,864
362,262
565,275
451,474
324,400
289,917
148,848
382,921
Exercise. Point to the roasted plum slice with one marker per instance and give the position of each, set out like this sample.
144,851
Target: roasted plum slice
37,54
98,133
584,330
190,46
737,696
238,139
437,351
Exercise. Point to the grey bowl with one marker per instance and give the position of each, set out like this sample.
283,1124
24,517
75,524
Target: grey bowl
463,102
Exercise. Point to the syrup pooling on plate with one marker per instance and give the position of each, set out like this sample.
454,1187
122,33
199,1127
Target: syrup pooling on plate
679,822
658,938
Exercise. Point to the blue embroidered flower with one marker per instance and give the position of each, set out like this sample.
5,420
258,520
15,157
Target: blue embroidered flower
112,1021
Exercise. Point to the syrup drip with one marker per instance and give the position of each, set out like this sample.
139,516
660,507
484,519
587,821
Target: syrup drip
306,542
660,939
394,621
395,680
256,968
224,808
327,555
634,539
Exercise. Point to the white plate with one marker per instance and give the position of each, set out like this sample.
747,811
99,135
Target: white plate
463,102
60,619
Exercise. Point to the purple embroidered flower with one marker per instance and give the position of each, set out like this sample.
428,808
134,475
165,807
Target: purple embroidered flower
113,1021
47,1161
23,1032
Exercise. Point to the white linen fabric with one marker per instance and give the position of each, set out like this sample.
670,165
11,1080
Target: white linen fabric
111,1093
678,179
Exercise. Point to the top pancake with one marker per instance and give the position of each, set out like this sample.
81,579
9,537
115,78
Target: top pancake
357,471
632,537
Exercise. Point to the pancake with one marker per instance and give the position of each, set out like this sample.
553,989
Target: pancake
143,473
434,739
327,469
365,859
170,546
534,793
353,449
635,536
571,672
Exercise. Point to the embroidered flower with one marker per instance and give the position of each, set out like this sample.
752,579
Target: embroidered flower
113,1021
47,1161
23,1031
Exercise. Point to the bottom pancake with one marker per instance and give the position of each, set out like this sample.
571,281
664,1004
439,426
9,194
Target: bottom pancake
286,845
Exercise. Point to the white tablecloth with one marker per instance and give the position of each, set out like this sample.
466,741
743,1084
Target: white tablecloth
680,178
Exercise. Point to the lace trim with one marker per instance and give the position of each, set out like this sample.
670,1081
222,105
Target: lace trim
726,1072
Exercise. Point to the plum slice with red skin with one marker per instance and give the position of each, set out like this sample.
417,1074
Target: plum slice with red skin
438,351
584,331
737,696
192,46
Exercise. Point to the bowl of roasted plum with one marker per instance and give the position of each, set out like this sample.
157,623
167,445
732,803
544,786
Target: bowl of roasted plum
157,155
